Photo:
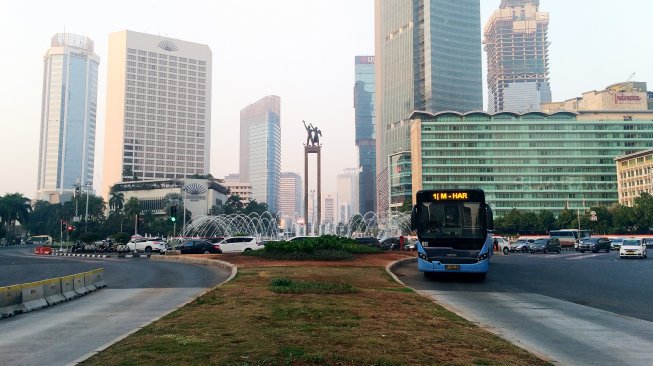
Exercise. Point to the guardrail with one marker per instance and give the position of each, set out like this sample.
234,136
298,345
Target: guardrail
23,298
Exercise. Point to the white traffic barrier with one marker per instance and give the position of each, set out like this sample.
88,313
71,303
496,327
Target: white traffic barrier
10,301
52,291
33,296
68,287
78,284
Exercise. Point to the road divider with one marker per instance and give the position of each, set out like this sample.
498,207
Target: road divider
23,298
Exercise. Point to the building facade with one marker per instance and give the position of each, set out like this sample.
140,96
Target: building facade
158,120
290,195
260,149
329,210
634,176
240,189
530,161
68,117
199,196
626,96
517,46
428,57
348,195
364,106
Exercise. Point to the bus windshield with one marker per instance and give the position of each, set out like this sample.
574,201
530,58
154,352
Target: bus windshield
454,220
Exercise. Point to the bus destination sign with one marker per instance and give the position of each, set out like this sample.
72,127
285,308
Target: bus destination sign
451,196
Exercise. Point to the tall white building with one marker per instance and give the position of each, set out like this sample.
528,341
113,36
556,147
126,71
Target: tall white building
290,195
348,202
158,120
329,209
68,115
260,149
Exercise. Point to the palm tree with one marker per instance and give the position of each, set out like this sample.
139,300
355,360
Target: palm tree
116,200
133,208
14,207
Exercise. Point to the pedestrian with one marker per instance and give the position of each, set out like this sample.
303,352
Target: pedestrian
496,244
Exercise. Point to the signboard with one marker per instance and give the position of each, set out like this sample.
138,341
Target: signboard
364,60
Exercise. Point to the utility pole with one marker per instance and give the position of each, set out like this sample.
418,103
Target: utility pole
88,188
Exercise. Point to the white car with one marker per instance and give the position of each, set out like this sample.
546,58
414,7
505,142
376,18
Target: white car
147,245
633,247
239,244
504,244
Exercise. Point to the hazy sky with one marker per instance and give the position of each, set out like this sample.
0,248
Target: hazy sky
300,50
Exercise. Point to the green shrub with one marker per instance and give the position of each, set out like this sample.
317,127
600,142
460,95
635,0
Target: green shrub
286,285
89,237
325,247
121,238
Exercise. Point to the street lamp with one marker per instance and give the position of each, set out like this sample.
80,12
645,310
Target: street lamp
88,187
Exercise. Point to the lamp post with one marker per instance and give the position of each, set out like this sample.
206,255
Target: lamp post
88,187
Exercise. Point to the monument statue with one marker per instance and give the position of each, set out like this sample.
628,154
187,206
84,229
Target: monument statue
313,135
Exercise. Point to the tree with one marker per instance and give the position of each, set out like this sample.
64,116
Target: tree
546,221
566,219
407,206
116,200
255,207
643,213
14,207
133,208
233,205
623,218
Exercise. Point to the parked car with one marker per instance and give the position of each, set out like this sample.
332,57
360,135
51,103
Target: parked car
147,245
239,244
615,243
368,240
300,238
633,247
521,245
594,244
198,246
546,246
410,243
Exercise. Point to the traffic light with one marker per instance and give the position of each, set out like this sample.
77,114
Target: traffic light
64,225
173,213
70,228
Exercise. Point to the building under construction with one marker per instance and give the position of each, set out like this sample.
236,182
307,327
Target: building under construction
516,42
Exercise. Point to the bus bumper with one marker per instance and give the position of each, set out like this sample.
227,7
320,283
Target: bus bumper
480,267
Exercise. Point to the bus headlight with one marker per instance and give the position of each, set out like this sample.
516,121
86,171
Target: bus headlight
423,256
482,257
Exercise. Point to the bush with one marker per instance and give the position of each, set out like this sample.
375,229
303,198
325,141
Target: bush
286,285
89,237
325,247
121,238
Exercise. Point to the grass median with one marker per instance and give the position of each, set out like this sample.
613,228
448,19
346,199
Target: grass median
255,320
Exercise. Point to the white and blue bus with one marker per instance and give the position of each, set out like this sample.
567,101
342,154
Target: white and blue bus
454,231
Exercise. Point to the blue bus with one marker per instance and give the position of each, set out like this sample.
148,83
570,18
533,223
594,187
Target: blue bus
454,232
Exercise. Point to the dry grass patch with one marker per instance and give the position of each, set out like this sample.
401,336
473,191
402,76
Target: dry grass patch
245,323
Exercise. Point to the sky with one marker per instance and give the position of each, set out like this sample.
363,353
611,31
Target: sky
301,50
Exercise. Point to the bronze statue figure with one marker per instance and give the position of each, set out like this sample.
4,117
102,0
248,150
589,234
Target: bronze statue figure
313,135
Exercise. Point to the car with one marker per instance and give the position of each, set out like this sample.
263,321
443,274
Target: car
368,240
503,244
391,243
648,242
633,247
147,245
198,246
301,238
238,244
615,243
595,244
546,245
410,243
521,245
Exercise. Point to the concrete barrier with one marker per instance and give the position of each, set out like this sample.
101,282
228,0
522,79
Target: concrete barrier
78,284
33,296
10,301
68,287
52,291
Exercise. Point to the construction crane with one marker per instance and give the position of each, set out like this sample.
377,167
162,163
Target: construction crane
628,85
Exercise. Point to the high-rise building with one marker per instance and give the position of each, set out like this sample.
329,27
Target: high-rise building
290,195
348,195
516,42
260,149
428,58
329,209
158,120
364,91
68,115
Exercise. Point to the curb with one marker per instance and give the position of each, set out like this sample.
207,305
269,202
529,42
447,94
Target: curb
392,266
102,255
200,261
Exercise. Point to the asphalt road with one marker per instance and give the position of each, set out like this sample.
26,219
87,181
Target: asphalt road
138,290
570,308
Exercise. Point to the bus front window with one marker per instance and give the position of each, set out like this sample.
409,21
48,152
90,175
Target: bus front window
453,220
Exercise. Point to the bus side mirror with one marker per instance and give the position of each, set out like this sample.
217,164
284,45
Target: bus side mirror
413,219
489,219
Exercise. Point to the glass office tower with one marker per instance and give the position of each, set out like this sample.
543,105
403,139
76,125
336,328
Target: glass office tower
364,105
530,161
260,149
68,113
428,58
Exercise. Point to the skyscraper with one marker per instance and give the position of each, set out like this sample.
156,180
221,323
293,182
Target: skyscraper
68,111
518,57
158,120
290,195
260,149
428,57
347,198
364,100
